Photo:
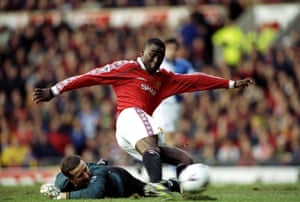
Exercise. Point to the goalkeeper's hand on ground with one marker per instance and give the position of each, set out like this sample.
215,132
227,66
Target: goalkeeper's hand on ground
51,191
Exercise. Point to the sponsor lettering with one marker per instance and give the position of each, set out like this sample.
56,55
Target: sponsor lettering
145,87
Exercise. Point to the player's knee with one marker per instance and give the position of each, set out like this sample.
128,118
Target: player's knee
152,153
152,163
147,143
151,156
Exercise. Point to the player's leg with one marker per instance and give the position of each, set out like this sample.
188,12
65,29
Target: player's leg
131,184
137,135
172,184
179,158
175,156
151,157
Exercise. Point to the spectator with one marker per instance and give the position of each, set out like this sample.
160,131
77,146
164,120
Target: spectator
263,150
232,41
57,138
78,137
17,154
246,157
228,153
88,117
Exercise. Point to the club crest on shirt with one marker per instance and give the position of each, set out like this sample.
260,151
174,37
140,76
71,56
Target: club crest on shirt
158,85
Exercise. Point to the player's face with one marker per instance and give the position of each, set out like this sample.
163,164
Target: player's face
171,50
81,175
152,57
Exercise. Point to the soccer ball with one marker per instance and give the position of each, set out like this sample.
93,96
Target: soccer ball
194,178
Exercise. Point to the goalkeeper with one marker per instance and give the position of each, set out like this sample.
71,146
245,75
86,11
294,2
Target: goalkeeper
81,180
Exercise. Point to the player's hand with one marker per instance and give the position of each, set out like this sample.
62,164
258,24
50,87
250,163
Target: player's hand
42,95
243,83
51,191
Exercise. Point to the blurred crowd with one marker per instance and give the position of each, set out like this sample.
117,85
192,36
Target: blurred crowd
259,125
30,5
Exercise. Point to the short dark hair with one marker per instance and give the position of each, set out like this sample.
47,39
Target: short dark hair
69,163
172,40
155,41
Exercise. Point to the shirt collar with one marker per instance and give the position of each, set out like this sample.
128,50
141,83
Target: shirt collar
139,60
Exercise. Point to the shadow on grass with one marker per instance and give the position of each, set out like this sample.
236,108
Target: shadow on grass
198,196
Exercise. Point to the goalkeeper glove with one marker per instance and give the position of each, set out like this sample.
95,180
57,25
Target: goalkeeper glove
51,191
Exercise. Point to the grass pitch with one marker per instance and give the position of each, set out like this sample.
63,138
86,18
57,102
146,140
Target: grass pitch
226,193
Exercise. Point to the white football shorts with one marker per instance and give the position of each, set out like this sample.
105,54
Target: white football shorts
132,125
167,114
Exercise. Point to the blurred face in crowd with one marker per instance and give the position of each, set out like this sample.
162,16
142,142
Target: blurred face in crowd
171,51
152,57
80,175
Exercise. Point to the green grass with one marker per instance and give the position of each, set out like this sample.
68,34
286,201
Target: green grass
228,193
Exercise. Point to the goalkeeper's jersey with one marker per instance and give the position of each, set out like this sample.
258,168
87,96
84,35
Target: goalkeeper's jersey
106,181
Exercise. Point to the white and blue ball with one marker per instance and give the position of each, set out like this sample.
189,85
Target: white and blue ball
194,178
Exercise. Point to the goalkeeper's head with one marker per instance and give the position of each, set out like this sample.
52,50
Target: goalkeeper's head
76,170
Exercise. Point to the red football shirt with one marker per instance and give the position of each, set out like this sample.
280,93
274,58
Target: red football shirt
135,87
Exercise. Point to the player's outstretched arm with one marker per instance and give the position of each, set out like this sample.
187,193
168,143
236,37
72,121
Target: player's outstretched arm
243,83
42,95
